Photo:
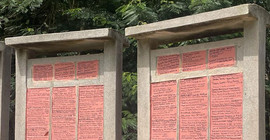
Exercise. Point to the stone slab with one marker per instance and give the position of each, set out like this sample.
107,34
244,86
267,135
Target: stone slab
206,24
67,41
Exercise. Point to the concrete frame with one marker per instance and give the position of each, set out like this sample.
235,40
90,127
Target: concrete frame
112,42
249,18
5,74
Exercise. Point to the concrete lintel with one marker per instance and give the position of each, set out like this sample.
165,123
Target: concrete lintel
227,20
66,41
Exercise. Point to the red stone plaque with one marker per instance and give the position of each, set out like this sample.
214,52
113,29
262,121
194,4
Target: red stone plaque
221,57
90,112
64,71
164,110
193,114
168,64
226,107
38,114
43,72
193,61
87,69
64,113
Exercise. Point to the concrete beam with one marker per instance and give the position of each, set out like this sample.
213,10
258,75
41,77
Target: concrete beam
206,24
66,41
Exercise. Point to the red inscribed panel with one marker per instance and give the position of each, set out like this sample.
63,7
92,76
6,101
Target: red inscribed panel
90,112
87,69
221,57
168,64
38,114
226,107
64,113
193,61
64,71
193,101
164,110
43,72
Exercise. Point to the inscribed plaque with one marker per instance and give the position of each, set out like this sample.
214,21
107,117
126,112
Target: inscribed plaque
226,107
87,69
90,113
168,64
164,110
193,110
193,61
64,71
64,113
43,72
37,113
221,57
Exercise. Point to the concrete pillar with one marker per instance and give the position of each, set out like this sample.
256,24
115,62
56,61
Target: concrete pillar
5,76
254,83
112,84
21,57
144,47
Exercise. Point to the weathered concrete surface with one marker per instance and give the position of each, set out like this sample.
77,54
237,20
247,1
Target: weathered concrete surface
110,72
144,80
67,41
21,57
250,50
254,80
5,71
113,90
206,24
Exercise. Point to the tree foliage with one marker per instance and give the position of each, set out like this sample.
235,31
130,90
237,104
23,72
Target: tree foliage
27,17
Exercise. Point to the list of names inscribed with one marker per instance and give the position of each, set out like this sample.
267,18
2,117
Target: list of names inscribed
226,107
64,71
193,109
164,110
43,72
87,69
90,125
37,113
193,61
168,64
64,113
221,57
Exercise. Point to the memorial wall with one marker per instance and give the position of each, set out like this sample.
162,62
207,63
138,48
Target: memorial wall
65,97
197,91
207,91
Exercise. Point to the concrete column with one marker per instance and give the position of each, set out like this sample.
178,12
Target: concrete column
144,81
20,103
5,74
113,90
254,80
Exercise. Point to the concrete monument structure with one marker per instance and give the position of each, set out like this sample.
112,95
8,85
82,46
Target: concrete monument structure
5,64
208,91
68,97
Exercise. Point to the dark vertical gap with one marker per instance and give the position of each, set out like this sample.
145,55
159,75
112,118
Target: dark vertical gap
12,99
267,85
